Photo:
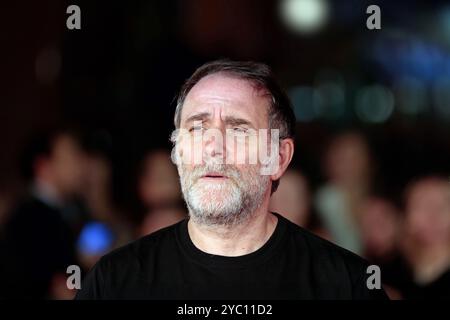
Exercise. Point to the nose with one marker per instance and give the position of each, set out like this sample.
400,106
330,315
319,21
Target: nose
214,144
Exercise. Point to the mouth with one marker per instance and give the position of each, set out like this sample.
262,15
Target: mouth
214,176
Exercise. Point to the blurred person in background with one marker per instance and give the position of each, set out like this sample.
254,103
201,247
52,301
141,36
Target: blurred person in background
159,192
6,202
427,237
347,166
293,200
106,228
381,232
38,243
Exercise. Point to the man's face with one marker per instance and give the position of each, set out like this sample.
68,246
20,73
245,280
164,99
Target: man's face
158,184
67,165
428,212
221,189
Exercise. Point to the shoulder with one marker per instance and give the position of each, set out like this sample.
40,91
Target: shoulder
128,270
322,249
29,204
332,265
29,217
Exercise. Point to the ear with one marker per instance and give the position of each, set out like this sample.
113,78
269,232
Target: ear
285,154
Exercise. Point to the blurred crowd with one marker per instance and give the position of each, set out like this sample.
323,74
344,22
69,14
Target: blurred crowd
67,215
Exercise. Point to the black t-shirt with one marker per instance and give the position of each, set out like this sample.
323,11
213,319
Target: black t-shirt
292,264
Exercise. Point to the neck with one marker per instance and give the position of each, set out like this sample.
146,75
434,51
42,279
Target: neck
236,240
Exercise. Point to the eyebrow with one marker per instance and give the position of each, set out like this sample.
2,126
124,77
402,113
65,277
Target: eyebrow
198,117
234,121
229,120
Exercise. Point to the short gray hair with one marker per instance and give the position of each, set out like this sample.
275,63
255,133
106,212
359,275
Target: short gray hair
280,111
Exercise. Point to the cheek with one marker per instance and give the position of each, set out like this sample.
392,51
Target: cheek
190,151
443,223
432,224
417,218
251,150
66,167
240,151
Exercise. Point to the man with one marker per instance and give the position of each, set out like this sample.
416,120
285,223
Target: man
38,243
427,237
231,247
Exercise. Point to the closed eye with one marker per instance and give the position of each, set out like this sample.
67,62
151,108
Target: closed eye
196,128
240,129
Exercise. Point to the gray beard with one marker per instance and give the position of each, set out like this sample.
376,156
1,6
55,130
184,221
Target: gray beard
225,204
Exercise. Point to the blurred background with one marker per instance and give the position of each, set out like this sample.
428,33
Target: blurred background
85,119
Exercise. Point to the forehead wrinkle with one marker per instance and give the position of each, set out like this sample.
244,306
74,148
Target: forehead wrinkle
226,108
215,100
220,92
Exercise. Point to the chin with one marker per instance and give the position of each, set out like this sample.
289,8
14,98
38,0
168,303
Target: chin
214,200
205,189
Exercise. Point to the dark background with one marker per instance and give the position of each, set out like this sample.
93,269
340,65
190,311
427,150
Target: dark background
116,78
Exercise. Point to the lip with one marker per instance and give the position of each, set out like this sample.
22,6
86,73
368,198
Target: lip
214,175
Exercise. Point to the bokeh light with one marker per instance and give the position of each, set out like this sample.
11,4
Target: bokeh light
374,104
304,16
